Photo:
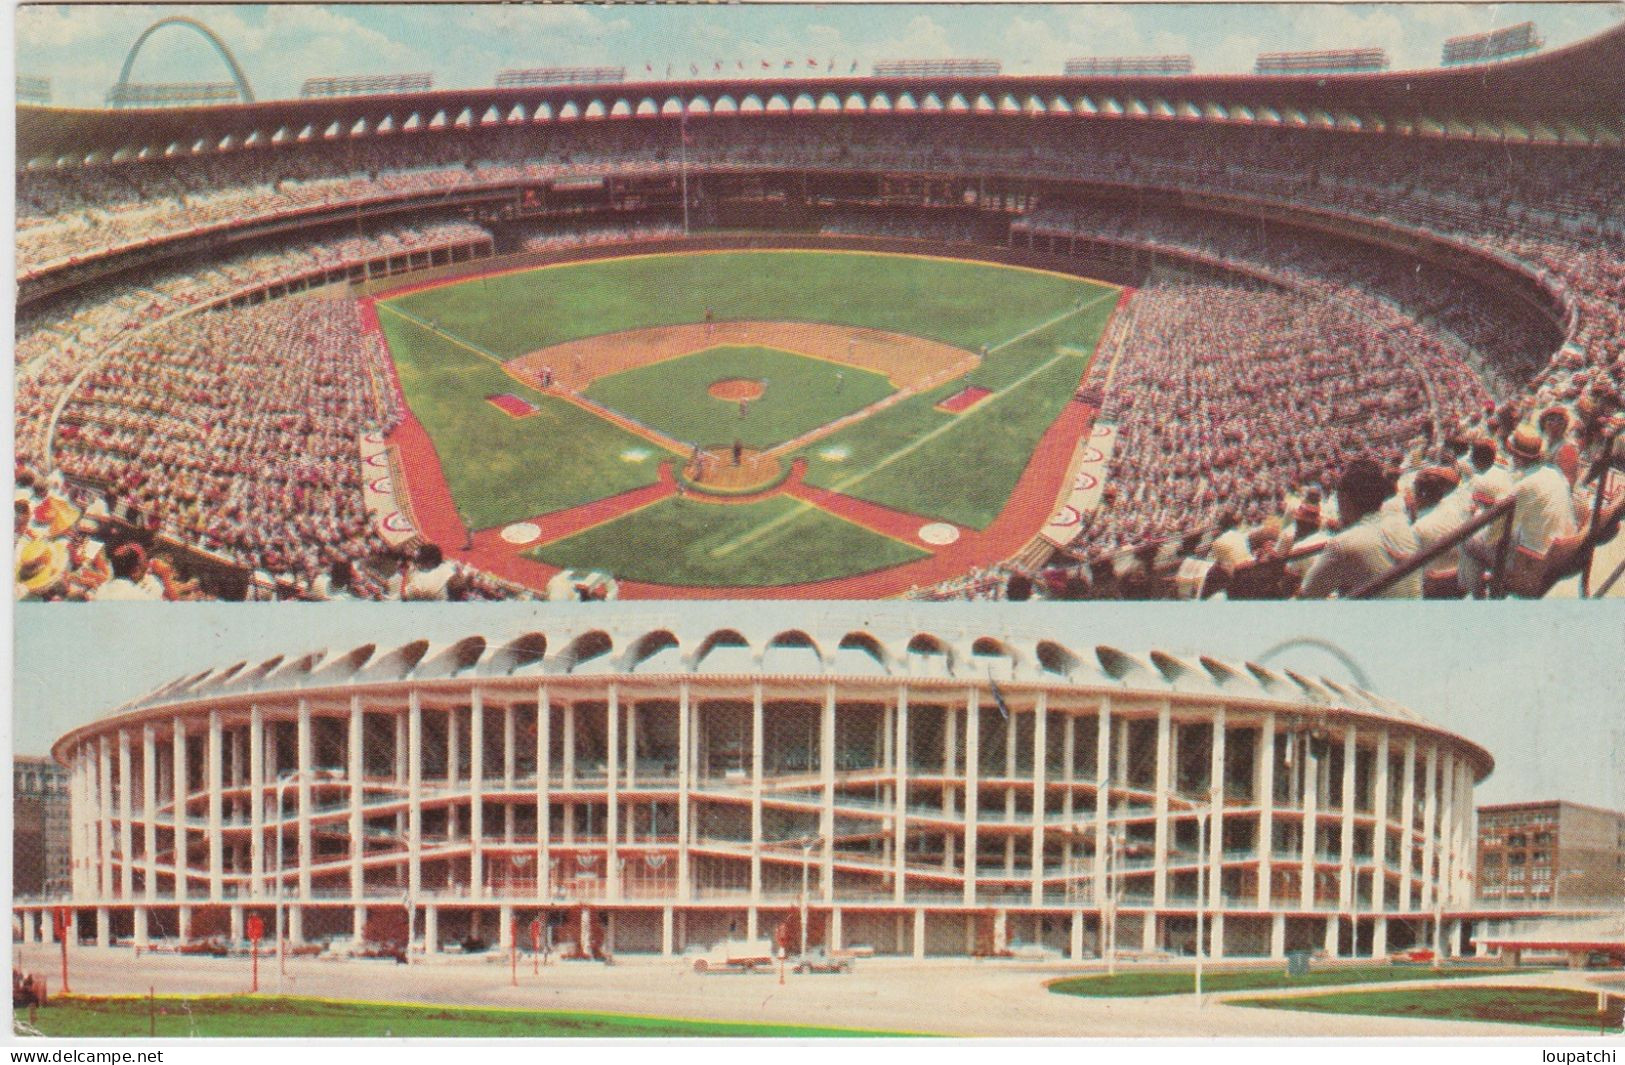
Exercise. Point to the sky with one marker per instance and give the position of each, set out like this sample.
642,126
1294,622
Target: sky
81,47
1540,685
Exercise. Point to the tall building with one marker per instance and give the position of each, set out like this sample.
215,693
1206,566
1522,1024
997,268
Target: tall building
931,793
39,834
1551,853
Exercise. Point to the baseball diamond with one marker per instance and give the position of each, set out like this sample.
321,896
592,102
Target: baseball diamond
834,370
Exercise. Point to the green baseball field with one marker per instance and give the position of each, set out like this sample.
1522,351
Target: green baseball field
864,462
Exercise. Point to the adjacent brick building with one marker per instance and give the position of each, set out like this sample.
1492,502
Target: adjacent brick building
1550,853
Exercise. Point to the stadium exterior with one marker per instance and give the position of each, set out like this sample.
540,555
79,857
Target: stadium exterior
937,794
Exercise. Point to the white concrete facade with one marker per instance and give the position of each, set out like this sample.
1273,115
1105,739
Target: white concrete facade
936,794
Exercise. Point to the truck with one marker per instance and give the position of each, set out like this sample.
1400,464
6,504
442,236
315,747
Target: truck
736,955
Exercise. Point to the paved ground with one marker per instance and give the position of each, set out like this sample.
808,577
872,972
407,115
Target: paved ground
968,999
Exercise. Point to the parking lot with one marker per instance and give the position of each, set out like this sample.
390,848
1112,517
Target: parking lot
962,998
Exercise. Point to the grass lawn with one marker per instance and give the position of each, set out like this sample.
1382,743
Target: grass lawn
801,394
963,467
1550,1007
771,542
1173,982
961,303
270,1017
503,469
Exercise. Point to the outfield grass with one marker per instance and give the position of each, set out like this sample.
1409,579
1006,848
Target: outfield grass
963,467
801,394
502,469
961,303
686,541
1174,982
1548,1007
245,1016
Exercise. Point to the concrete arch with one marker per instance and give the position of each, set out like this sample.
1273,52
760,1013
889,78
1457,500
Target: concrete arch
925,644
585,648
717,639
1058,659
237,76
525,650
868,644
340,669
647,646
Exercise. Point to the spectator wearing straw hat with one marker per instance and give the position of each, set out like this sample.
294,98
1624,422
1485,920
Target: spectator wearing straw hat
42,566
1544,507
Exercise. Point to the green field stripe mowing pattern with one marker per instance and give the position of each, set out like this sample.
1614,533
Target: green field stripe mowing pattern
800,394
672,542
907,455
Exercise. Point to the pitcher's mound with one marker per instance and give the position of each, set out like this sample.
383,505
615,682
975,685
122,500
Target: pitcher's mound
734,389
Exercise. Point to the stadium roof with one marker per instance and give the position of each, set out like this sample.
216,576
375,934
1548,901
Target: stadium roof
1555,87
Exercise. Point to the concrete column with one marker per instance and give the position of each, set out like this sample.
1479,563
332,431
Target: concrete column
307,765
1009,793
1215,828
1164,774
1407,824
401,750
1379,826
179,788
104,813
544,791
612,793
126,837
1430,822
755,797
1444,829
1148,931
104,927
476,794
414,801
431,930
752,917
973,776
1309,766
1215,935
835,936
505,929
666,950
919,934
1103,810
1331,935
631,750
142,938
826,812
1076,945
358,923
234,921
1278,936
900,810
1040,780
509,751
568,742
256,803
1264,789
217,838
685,781
1379,936
356,771
1346,885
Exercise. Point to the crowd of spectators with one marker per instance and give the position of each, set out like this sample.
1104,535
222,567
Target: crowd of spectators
1342,354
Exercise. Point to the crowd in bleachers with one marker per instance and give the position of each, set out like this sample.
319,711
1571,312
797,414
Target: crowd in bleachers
547,239
1346,354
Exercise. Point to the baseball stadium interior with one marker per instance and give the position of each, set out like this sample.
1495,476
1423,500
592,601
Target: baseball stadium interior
1347,295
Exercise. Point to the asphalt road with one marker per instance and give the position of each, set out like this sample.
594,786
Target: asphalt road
957,998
